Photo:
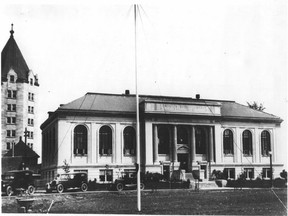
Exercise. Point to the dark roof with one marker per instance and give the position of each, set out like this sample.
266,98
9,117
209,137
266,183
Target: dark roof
11,57
93,103
23,150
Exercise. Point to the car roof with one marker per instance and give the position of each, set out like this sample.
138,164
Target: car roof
19,171
73,173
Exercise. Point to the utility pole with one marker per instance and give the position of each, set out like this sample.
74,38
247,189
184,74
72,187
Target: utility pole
137,115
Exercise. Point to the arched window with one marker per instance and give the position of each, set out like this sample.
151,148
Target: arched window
80,140
265,143
247,143
228,142
129,141
164,140
200,139
105,140
182,135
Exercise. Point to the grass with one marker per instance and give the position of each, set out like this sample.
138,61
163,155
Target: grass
169,202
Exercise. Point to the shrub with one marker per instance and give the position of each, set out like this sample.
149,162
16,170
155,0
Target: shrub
152,177
218,174
278,182
283,174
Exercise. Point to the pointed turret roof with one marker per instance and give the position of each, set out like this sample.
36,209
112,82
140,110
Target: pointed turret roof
12,57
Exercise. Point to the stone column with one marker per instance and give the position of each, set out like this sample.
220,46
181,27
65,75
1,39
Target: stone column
175,145
211,149
170,144
114,144
193,146
156,142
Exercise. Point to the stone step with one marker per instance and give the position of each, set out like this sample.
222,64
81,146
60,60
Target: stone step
189,176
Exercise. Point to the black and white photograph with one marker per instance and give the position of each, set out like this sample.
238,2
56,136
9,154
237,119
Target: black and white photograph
144,107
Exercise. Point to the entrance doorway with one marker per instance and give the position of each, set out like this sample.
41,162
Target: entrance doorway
183,159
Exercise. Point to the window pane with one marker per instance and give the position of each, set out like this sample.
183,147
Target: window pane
164,140
265,143
200,141
129,141
247,142
228,141
80,140
105,140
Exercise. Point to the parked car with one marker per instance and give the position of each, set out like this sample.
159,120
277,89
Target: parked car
18,181
128,180
68,181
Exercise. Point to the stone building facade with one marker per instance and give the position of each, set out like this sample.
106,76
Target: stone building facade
19,96
96,134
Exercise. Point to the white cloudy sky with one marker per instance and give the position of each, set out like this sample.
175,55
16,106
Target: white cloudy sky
230,50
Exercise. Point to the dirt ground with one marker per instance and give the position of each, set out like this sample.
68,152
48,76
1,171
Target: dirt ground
169,202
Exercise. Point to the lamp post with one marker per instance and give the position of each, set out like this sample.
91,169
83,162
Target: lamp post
271,171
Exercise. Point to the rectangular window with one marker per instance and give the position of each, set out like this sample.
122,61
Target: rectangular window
11,120
11,107
106,175
12,94
31,81
249,173
12,79
30,122
11,133
8,146
30,96
31,135
266,173
30,109
229,173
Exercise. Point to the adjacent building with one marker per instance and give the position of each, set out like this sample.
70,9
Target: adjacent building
19,95
96,133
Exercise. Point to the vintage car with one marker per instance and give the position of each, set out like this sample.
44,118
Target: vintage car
67,181
18,181
127,180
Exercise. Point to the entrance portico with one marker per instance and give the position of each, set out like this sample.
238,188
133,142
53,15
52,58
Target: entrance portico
183,146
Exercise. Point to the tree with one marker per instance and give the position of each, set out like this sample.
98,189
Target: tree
66,167
255,106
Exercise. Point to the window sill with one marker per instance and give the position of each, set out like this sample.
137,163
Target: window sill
228,155
129,155
105,155
80,155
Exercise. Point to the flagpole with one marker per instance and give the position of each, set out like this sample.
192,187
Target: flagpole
137,116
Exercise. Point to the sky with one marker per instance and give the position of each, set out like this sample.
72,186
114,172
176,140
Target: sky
226,50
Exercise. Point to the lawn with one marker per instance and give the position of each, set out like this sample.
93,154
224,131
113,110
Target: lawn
169,202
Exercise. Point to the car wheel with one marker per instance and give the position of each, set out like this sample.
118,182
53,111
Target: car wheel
142,186
119,187
31,189
60,188
9,191
84,187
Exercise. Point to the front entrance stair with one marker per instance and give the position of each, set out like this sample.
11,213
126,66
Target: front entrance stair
204,184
